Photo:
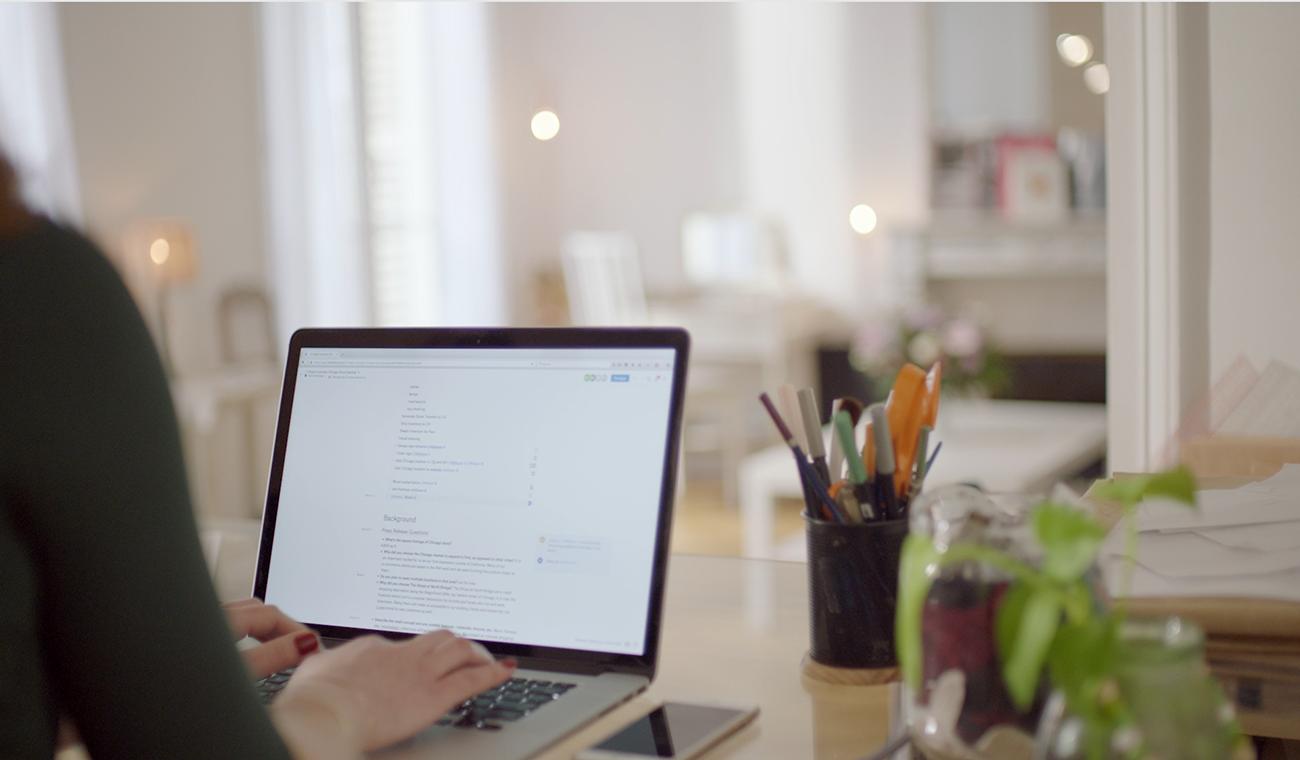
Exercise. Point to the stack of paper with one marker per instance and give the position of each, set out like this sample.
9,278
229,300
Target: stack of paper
1233,566
1242,543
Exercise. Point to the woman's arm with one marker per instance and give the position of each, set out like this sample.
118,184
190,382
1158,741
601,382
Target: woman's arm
136,645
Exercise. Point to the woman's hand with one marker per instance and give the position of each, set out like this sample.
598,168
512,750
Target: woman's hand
373,692
285,641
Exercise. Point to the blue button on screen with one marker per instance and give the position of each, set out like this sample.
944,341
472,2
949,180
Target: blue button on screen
618,378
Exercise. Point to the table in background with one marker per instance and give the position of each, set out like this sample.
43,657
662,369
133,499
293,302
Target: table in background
741,345
251,392
1005,446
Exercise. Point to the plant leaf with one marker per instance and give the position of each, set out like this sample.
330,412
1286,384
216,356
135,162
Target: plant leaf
1082,654
1070,540
914,583
1177,484
1009,618
1023,665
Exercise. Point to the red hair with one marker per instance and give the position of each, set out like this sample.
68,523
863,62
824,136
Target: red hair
14,215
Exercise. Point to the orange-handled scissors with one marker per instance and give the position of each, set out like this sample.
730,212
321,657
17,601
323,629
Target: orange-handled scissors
906,415
928,411
930,401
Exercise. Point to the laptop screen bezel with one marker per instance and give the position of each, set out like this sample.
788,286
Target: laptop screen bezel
462,338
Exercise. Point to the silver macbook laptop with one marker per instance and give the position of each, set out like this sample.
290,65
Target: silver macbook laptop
514,486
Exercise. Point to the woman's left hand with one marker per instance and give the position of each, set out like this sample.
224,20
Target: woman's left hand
285,641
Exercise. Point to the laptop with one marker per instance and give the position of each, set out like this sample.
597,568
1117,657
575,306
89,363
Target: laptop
514,486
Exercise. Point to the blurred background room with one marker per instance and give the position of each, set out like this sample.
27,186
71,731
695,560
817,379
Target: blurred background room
817,191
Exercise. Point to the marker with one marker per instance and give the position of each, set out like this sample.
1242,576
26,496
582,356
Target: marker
854,408
812,425
886,496
836,466
857,473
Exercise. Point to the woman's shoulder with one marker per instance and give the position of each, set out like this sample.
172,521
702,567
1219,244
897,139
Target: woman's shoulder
45,238
55,263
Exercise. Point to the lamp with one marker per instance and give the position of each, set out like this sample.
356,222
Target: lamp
162,252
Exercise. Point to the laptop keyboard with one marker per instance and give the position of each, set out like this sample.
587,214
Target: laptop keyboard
269,687
508,702
511,700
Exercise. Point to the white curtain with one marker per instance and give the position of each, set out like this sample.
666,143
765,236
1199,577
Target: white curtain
465,154
316,234
318,206
35,130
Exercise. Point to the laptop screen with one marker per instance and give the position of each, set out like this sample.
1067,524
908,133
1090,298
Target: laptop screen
510,495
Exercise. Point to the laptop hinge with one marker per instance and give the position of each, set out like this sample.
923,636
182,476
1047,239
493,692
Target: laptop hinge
577,668
537,663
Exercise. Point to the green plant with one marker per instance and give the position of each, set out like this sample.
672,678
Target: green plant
1050,619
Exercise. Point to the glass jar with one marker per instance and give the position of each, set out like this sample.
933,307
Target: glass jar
962,708
1179,707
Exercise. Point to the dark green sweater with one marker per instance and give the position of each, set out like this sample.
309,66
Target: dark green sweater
107,612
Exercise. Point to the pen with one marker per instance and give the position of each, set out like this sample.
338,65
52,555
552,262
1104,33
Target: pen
812,425
929,465
933,455
784,395
814,492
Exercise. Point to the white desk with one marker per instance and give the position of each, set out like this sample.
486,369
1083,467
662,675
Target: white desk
1004,446
200,402
737,629
733,629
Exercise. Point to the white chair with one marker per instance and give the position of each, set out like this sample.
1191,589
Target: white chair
736,253
228,466
602,276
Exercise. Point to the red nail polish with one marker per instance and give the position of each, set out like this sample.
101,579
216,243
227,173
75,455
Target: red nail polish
510,662
306,642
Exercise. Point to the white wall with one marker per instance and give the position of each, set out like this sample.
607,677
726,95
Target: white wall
667,109
166,117
888,113
990,67
645,97
1204,144
167,122
1255,184
792,86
